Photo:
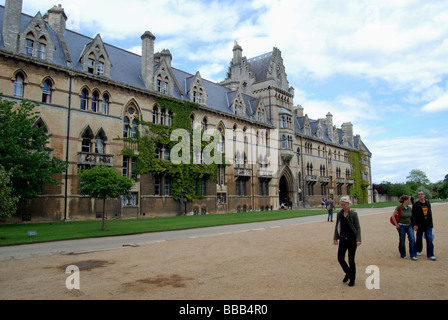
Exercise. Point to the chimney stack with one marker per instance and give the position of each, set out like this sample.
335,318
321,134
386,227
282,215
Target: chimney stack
347,129
147,65
237,54
11,24
57,19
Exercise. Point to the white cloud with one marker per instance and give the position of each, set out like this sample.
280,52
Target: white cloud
441,104
401,44
395,158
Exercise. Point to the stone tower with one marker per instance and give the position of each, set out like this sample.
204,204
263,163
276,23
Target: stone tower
11,24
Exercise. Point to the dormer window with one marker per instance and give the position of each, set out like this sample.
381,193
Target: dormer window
29,46
95,59
197,95
162,84
100,68
196,90
90,65
35,39
42,48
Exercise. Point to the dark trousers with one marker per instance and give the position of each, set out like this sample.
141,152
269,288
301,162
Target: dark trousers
350,246
429,235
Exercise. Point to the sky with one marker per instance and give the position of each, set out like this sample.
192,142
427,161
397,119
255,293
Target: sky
381,65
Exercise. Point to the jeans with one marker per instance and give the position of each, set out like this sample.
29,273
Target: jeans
429,235
402,231
330,215
350,268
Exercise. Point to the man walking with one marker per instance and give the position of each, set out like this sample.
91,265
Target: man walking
330,207
422,223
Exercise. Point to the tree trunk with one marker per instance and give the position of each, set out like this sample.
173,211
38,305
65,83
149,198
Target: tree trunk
104,214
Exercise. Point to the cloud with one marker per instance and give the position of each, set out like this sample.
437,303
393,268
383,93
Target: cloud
441,104
395,158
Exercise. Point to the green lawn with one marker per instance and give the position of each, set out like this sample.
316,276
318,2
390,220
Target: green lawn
18,233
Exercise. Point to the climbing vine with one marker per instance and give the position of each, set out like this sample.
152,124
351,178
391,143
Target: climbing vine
360,186
185,177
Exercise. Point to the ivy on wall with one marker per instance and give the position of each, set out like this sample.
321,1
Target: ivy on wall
360,186
185,177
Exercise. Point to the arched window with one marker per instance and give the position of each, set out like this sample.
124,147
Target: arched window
221,145
192,121
100,141
46,91
105,104
155,111
18,85
170,119
165,85
29,44
130,122
87,138
134,129
126,127
283,142
162,116
84,99
95,100
42,48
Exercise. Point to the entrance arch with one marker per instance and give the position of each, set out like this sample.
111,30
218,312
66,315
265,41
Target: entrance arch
286,186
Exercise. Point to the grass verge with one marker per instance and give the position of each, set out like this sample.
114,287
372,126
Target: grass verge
11,234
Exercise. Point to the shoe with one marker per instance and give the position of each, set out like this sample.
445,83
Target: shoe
404,257
351,283
346,278
432,258
414,258
419,253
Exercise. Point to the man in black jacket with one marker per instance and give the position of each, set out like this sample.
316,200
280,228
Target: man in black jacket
422,223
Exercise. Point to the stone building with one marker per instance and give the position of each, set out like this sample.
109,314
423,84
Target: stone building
93,94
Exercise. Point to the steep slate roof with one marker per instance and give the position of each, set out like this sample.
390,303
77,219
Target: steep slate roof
260,66
126,68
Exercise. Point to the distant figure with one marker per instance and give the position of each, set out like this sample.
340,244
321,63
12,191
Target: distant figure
330,207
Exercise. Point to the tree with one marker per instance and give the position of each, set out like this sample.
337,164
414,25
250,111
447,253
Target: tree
24,151
415,178
103,182
427,192
8,202
443,188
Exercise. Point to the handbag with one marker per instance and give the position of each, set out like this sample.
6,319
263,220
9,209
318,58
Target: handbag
397,217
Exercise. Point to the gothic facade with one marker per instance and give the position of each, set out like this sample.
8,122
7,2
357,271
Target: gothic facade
91,93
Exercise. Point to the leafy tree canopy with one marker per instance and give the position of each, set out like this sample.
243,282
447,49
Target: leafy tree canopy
417,176
24,151
8,202
103,182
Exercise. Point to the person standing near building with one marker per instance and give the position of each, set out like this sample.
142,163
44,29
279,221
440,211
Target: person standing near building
347,233
404,226
330,207
423,224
